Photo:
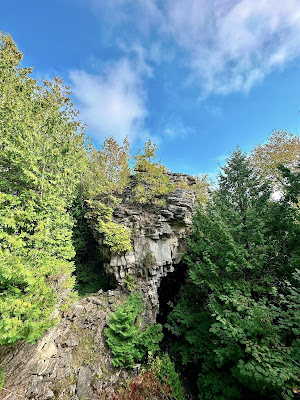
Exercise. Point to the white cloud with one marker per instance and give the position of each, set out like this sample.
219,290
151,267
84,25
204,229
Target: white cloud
228,45
233,44
112,102
176,130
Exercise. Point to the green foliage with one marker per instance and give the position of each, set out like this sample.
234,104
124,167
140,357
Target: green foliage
203,189
129,282
129,342
41,160
2,379
282,148
105,178
108,171
237,320
116,236
151,181
164,369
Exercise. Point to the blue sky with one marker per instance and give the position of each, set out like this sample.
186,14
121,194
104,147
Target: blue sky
198,77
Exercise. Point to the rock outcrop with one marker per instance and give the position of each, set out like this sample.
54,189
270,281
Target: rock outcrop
158,237
71,361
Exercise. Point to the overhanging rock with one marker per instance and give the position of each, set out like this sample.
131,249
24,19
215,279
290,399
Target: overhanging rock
158,237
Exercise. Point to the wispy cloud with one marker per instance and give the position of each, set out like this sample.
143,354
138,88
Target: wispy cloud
228,45
112,102
176,130
234,44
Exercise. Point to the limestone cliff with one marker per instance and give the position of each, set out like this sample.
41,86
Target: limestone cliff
158,237
71,361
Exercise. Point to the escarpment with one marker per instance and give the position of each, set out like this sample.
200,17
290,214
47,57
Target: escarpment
158,236
72,361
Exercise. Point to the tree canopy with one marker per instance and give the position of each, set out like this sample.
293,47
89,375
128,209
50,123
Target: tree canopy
41,160
236,318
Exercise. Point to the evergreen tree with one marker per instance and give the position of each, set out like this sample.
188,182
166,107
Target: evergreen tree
105,179
41,160
151,180
128,340
229,318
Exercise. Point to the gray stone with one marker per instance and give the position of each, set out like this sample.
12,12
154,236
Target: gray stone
160,231
72,360
83,387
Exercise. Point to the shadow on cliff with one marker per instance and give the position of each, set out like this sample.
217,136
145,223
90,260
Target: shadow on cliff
90,275
167,293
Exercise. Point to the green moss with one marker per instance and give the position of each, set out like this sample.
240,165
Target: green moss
62,385
84,353
2,378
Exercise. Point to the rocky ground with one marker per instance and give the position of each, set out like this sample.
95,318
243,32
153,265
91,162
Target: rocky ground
71,361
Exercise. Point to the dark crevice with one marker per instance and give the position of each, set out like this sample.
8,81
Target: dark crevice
168,290
89,271
167,294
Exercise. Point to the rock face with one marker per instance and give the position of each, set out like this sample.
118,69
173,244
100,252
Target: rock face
71,361
158,237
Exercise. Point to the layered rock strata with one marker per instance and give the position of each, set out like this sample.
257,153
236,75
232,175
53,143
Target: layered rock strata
158,237
71,361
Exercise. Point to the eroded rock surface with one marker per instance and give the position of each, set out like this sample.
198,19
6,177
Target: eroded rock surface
71,361
158,237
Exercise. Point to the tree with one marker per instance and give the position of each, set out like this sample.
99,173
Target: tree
231,317
108,172
151,180
41,160
203,189
129,342
104,181
281,148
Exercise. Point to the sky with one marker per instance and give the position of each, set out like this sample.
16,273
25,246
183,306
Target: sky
197,77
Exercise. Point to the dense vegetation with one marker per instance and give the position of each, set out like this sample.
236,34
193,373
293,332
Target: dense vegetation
129,341
53,183
235,323
237,318
41,159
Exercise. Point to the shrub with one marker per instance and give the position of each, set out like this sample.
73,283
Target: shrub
116,236
148,259
145,386
164,368
152,182
129,342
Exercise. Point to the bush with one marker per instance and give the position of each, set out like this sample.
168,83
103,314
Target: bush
145,386
152,182
129,342
164,369
149,258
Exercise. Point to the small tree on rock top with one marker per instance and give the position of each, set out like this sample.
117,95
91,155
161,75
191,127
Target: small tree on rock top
152,182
